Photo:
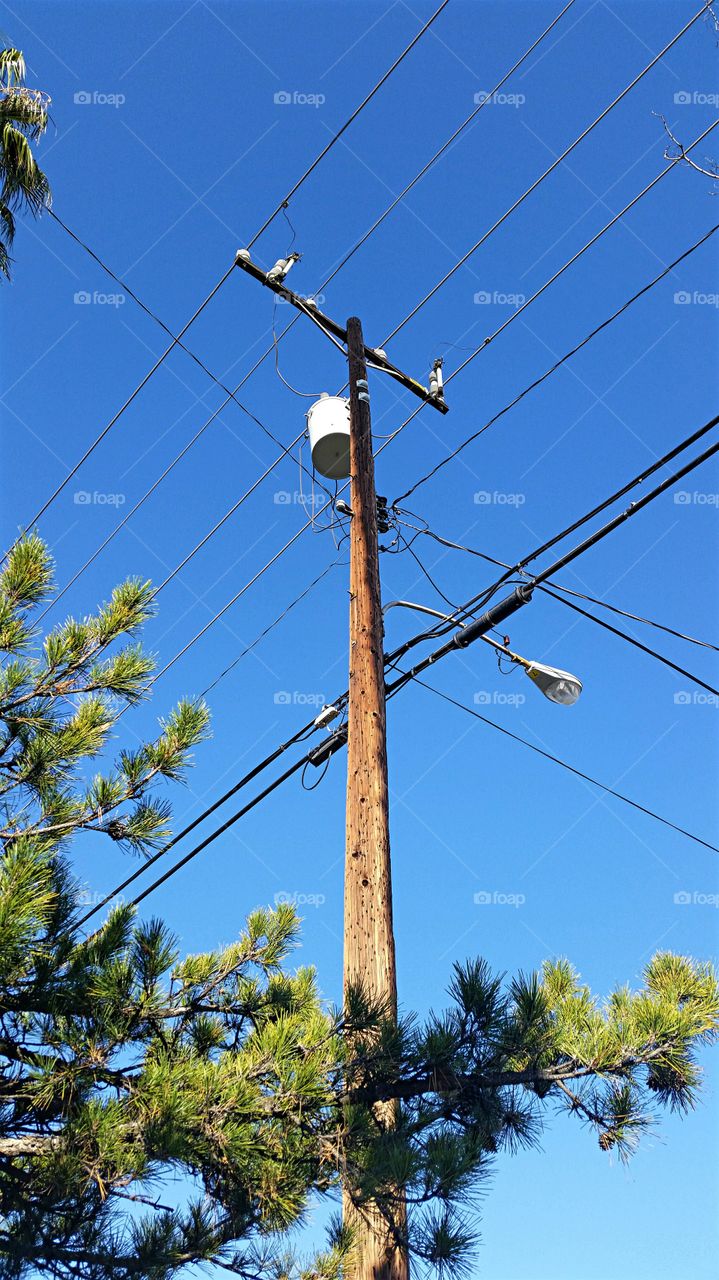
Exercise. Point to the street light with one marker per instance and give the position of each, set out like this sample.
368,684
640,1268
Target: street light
560,687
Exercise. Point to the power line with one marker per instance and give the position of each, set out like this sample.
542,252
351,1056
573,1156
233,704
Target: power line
232,394
283,203
586,777
617,631
458,640
91,448
336,136
552,369
580,595
624,635
271,626
633,509
204,843
657,58
590,243
517,568
446,145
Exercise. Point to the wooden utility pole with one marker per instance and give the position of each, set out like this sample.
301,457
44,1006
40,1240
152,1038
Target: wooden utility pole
369,954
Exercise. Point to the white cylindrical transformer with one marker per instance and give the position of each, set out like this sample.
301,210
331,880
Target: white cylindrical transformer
328,423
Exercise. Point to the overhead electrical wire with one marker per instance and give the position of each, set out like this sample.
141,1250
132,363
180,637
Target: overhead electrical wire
532,386
271,626
217,616
580,595
287,451
115,418
232,394
466,611
564,764
282,205
644,475
617,631
555,163
339,132
624,635
412,675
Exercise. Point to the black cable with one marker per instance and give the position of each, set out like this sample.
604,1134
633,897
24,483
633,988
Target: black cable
336,136
281,206
160,853
602,506
555,163
517,568
220,831
617,631
378,222
580,595
552,369
407,677
271,626
633,509
91,448
445,146
624,635
569,767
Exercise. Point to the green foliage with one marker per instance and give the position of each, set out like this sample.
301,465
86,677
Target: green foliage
479,1079
158,1111
58,704
23,120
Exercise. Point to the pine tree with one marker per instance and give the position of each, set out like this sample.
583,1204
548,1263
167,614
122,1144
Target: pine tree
157,1112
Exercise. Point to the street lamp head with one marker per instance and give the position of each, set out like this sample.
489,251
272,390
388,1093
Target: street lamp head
557,685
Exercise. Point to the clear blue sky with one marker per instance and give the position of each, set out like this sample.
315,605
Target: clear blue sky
166,184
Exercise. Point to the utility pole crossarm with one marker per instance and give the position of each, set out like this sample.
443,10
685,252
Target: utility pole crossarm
373,355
